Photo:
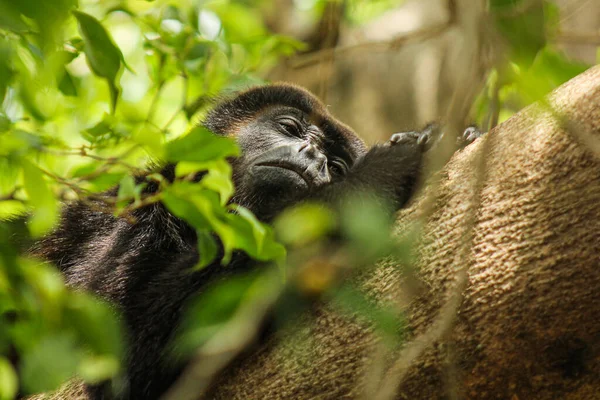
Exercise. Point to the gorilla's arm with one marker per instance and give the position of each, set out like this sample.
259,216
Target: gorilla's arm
389,172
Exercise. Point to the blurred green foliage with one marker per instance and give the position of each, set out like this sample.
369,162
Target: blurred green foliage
93,91
531,63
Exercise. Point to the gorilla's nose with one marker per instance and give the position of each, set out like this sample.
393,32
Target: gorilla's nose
316,164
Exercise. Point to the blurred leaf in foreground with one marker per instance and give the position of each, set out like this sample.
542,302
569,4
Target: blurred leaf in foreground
45,205
103,55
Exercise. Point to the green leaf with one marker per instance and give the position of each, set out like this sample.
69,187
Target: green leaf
151,138
9,383
103,55
524,30
549,70
46,280
210,311
217,179
367,225
284,45
6,72
207,248
5,122
304,224
241,22
45,206
96,369
246,233
127,189
106,181
52,361
391,324
182,207
10,17
102,130
96,322
67,84
201,145
217,72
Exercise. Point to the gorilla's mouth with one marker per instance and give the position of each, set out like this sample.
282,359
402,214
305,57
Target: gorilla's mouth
299,170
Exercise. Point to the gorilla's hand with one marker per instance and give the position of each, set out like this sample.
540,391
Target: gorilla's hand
424,139
470,134
432,133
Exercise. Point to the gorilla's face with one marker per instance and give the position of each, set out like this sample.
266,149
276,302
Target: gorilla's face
286,154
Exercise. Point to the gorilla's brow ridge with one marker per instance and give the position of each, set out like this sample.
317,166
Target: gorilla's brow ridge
244,106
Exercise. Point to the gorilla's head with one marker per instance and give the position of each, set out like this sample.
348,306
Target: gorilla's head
290,145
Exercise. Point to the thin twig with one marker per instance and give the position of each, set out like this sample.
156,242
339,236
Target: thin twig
385,45
592,39
495,106
83,153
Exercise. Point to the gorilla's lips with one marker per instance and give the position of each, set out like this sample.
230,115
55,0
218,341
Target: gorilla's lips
298,169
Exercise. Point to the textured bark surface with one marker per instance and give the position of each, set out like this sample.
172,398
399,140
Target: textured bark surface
528,324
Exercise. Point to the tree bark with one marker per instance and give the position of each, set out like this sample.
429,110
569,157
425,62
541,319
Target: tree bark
515,316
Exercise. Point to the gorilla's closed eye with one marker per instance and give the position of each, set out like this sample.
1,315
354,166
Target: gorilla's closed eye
291,126
338,166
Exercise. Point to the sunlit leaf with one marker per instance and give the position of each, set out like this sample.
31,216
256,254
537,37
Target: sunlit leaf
126,188
304,224
45,205
67,84
96,369
240,22
219,180
246,233
522,27
6,72
217,71
46,280
549,70
207,315
186,209
52,361
10,17
105,181
97,322
9,383
200,145
103,55
151,138
207,248
366,223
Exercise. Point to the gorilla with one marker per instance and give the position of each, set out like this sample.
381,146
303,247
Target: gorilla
292,150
